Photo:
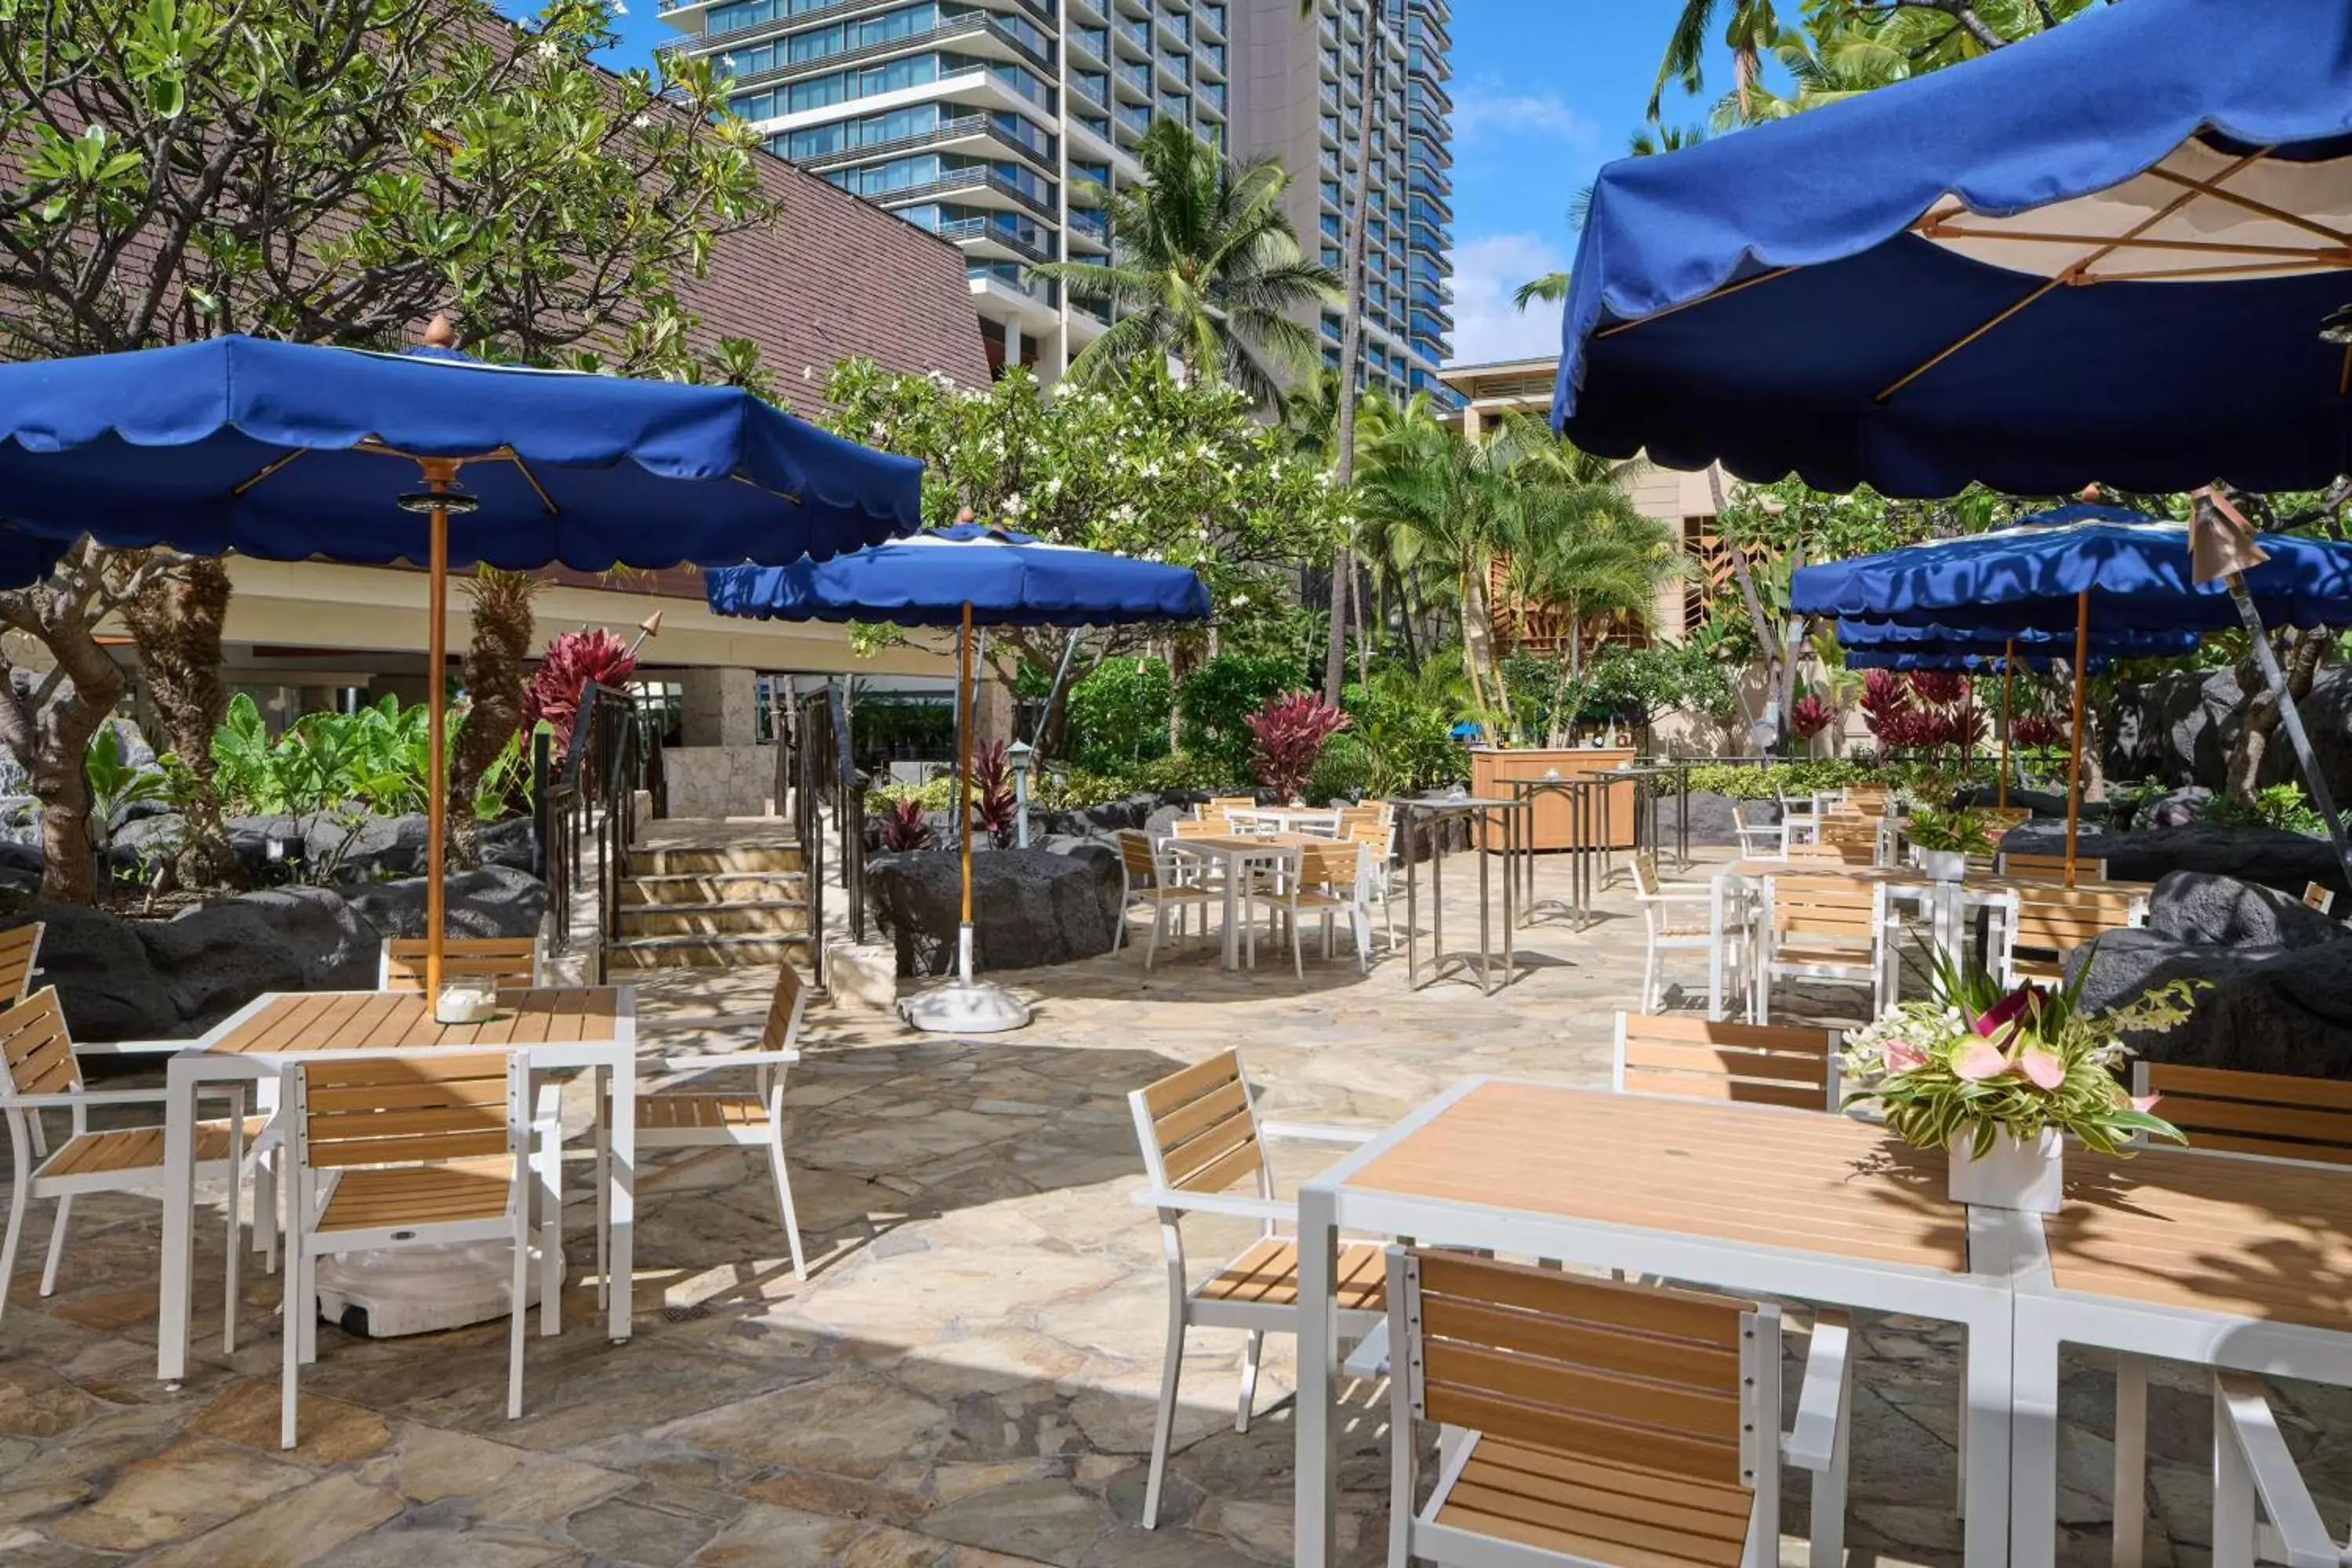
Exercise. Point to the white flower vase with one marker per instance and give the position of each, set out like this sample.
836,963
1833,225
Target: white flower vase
1943,865
2012,1174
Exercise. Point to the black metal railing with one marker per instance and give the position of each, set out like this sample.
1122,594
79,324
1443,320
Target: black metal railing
587,795
814,767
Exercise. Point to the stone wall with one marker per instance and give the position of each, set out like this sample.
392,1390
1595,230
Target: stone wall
719,781
2178,729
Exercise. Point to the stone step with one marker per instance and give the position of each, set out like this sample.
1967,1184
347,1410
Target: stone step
737,918
693,860
720,887
707,951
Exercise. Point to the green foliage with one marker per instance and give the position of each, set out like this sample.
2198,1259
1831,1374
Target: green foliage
504,789
1180,771
1079,788
933,793
2279,806
1216,702
1740,782
1947,832
901,729
1118,714
1665,677
373,760
115,783
1346,771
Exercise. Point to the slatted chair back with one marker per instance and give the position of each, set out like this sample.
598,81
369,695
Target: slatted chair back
1338,866
1867,800
782,1032
1378,837
1749,1064
404,1108
1221,805
2053,919
1632,1376
1377,814
503,961
2276,1114
2052,867
1848,834
1831,855
20,954
1201,827
2000,819
1199,1130
1135,859
2315,897
1844,910
37,1054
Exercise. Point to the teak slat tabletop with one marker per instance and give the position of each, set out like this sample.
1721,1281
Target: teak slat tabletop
401,1020
2264,1239
1811,1183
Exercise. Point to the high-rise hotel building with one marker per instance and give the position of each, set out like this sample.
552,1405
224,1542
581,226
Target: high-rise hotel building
987,121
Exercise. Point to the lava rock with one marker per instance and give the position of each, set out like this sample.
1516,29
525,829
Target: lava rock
2124,965
214,958
2177,808
2038,802
510,843
2292,1014
2197,906
105,982
338,948
495,900
20,866
1710,815
2268,855
1030,907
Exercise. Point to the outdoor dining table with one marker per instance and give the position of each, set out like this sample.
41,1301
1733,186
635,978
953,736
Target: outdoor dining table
2217,1260
1236,855
1814,1206
1311,821
587,1026
1514,816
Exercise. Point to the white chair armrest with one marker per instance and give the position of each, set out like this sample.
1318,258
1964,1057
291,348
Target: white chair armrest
670,1023
1235,1205
2244,1411
706,1061
132,1048
1312,1132
1370,1359
1810,1441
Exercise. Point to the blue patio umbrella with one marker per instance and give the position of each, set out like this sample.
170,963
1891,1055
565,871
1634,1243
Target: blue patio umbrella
967,575
290,451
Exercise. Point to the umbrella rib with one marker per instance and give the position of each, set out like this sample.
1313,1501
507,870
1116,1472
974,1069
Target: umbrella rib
2337,254
2075,273
546,500
1727,290
2316,262
266,470
2213,188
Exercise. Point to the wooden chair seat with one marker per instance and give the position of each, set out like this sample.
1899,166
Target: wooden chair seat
696,1112
368,1199
1268,1274
1184,892
140,1148
1574,1506
1822,952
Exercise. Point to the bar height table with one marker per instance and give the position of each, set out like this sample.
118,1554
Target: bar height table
1586,796
1511,816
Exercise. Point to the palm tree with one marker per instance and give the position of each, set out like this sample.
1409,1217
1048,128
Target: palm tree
1206,270
1750,32
1646,142
1584,548
495,677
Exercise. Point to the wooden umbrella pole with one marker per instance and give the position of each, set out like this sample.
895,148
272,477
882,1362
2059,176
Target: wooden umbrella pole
963,771
439,474
2008,675
2074,763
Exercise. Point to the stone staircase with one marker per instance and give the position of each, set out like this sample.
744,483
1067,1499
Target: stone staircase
685,906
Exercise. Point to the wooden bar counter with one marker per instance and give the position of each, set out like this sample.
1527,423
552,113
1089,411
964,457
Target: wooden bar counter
1553,824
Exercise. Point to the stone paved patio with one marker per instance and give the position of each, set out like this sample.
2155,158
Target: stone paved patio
969,1376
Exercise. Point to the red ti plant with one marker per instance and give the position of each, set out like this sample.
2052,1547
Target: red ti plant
2037,730
1809,716
573,662
906,830
1887,709
1292,729
993,804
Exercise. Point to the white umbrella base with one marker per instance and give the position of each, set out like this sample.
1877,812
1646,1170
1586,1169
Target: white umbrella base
420,1289
963,1007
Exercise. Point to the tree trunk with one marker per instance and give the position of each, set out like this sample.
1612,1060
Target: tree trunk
1352,328
1767,649
1478,646
1571,681
48,723
176,623
2243,774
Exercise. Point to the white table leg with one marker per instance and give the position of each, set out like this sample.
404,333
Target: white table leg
1316,1462
623,1195
179,1218
1233,871
1714,953
2032,1501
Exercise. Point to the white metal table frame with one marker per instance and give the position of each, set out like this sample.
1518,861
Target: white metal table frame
1237,859
1979,1300
1947,905
201,1064
2048,1317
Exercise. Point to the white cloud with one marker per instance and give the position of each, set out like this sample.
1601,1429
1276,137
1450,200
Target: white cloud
1483,111
1486,271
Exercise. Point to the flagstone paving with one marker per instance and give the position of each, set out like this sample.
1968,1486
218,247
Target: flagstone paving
968,1376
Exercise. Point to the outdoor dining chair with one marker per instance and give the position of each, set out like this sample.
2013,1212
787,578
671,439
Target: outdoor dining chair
503,961
2261,1115
2315,897
1220,806
1326,880
1588,1421
20,956
39,1071
2045,922
1159,879
1201,1137
1765,840
401,1150
1823,927
1746,1064
2051,867
1801,816
1856,837
705,1117
1676,917
1376,833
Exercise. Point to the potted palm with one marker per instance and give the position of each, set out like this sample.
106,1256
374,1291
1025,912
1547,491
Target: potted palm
1994,1079
1942,841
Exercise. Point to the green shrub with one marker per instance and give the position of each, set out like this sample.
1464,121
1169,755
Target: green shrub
1410,746
1218,697
933,792
1118,714
1080,788
1180,771
889,729
1346,771
2282,805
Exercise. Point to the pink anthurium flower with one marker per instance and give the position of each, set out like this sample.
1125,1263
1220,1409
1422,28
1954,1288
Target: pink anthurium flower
1902,1055
1979,1060
2041,1067
2005,1013
2146,1104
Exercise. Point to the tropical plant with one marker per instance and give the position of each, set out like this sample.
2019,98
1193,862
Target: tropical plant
1289,734
175,622
114,784
373,759
1810,715
496,681
1972,1063
1962,832
906,830
994,805
2282,806
1213,707
573,662
326,171
1205,271
1118,714
1748,33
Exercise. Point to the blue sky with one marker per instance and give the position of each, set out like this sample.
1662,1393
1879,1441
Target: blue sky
1545,91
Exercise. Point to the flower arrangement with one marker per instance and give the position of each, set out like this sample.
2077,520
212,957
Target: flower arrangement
1959,831
1972,1064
